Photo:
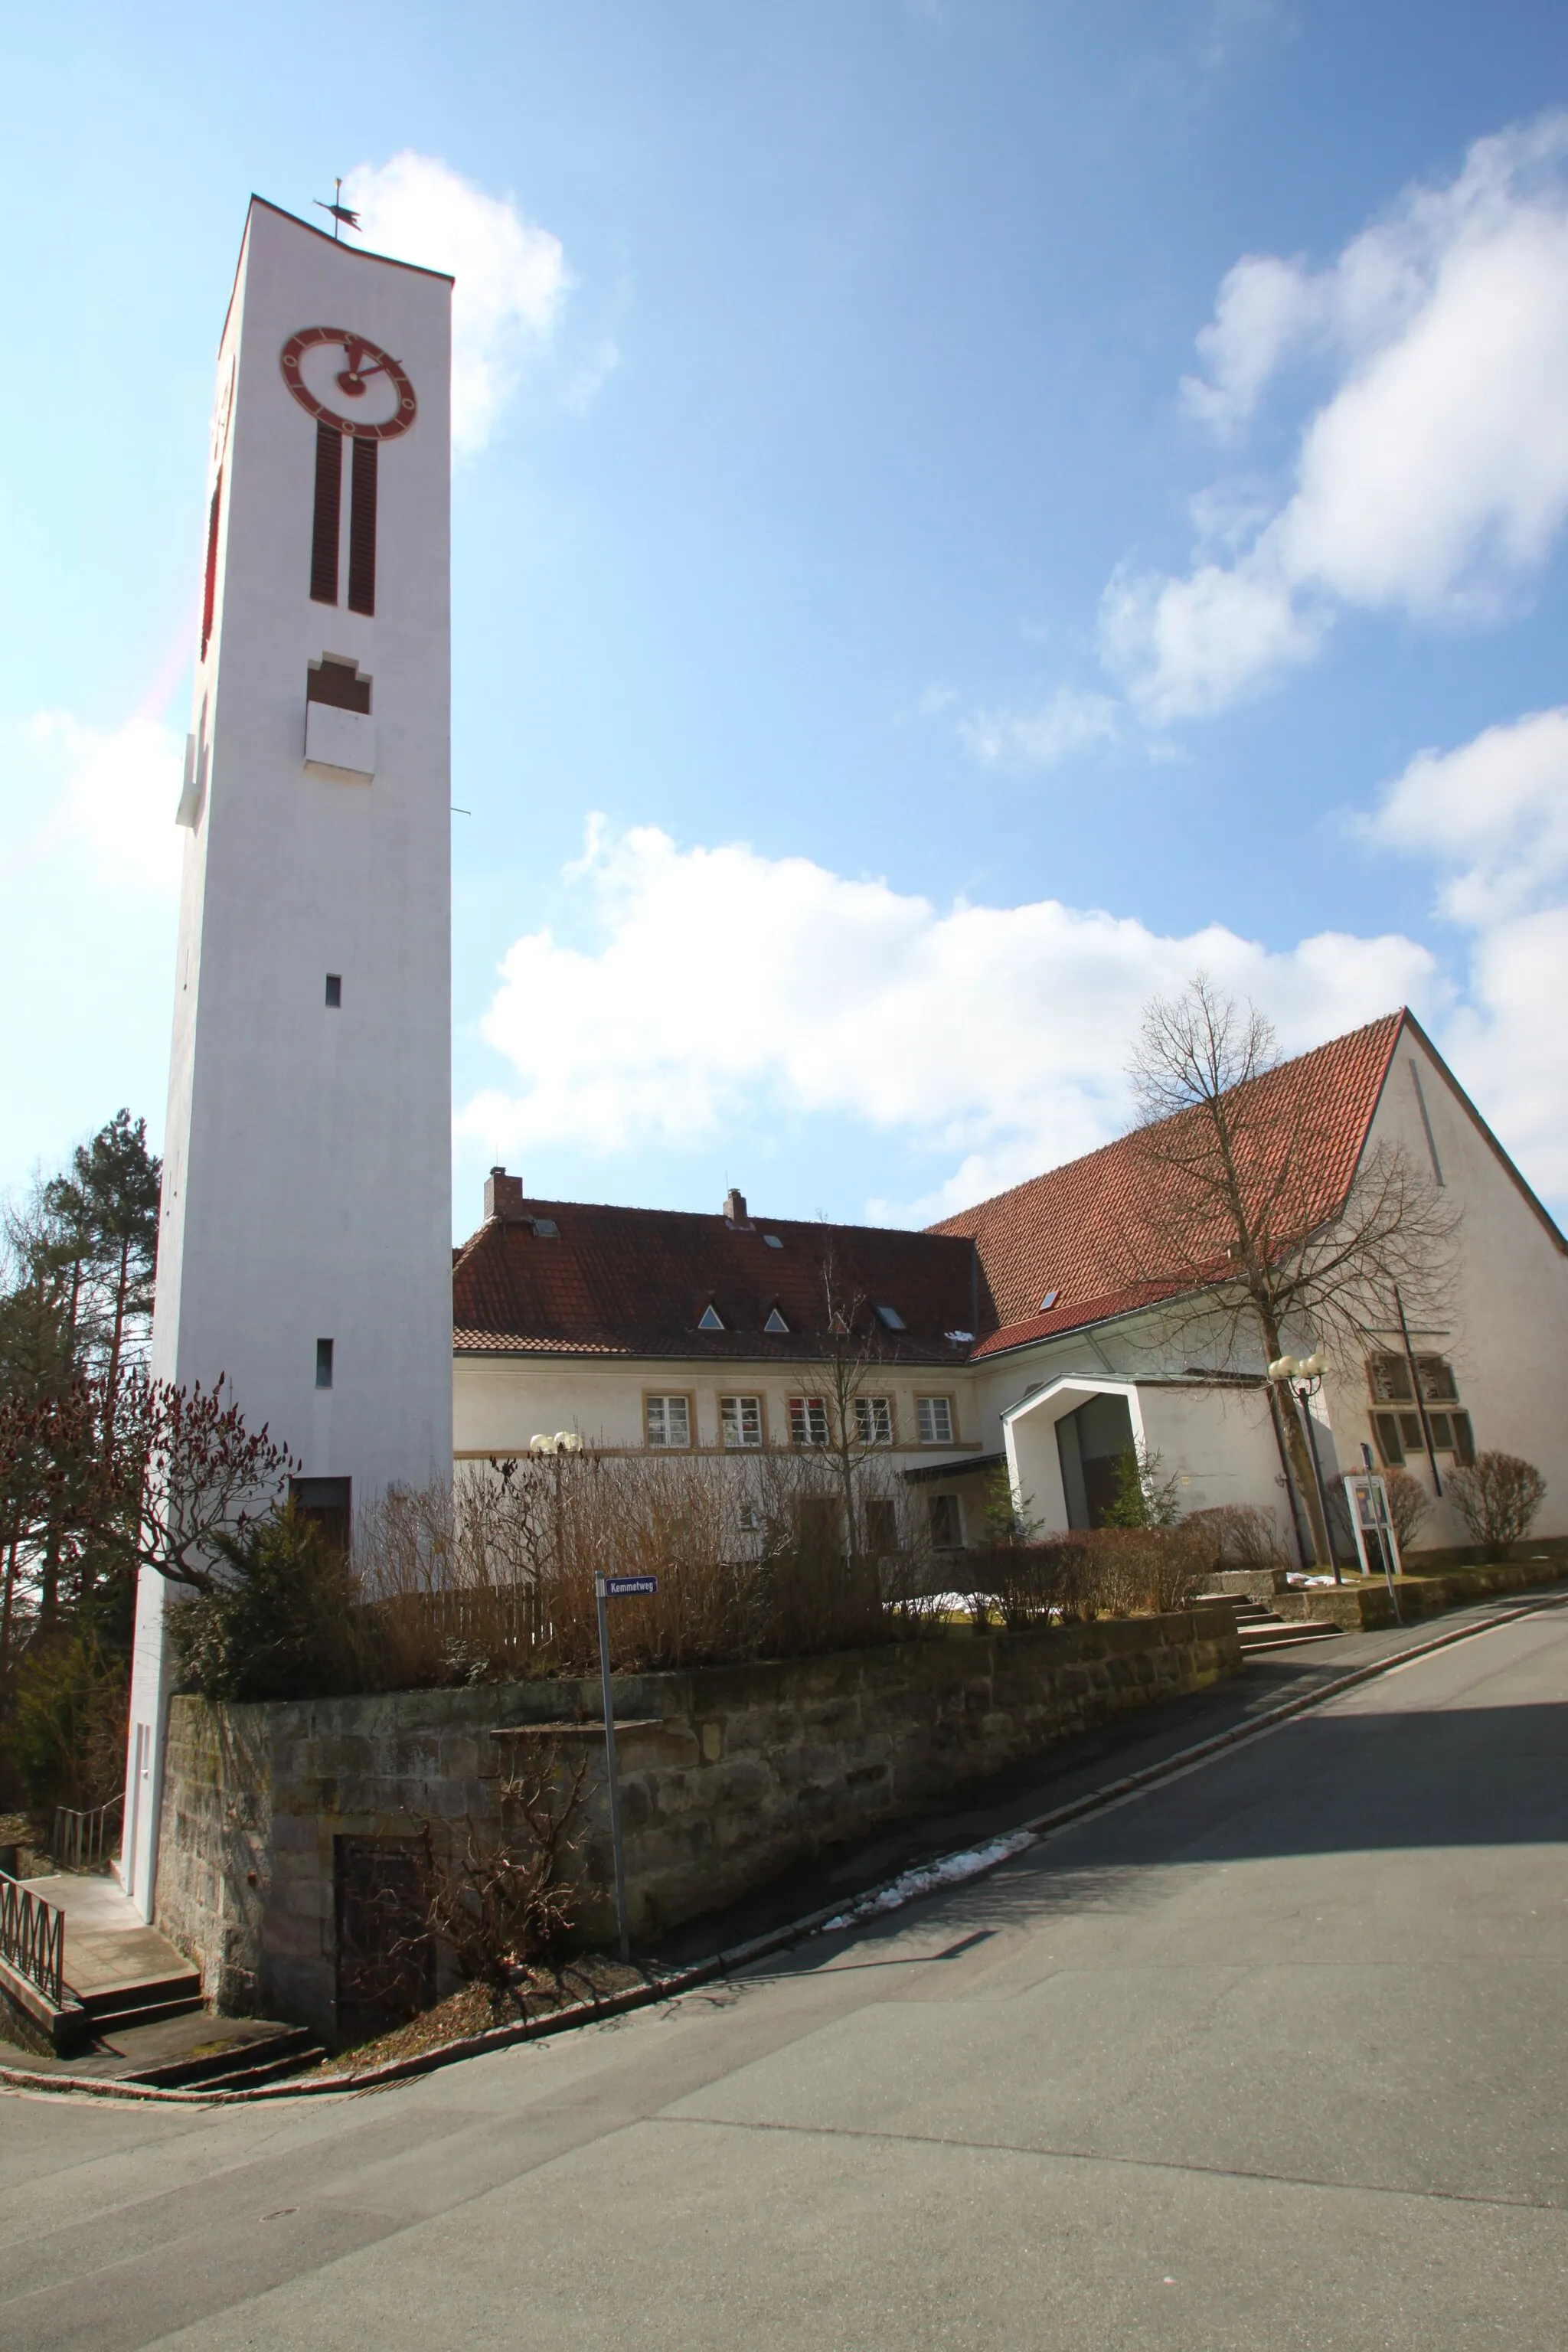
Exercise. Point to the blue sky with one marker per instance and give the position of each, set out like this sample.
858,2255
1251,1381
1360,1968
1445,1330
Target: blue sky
966,511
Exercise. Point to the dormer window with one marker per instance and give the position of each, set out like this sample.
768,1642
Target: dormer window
711,1320
890,1319
775,1321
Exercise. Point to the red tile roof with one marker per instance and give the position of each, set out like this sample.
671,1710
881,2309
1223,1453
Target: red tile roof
1081,1230
635,1282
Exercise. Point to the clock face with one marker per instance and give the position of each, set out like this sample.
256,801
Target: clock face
348,382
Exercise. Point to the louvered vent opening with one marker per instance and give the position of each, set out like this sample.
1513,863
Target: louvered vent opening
209,588
328,515
362,530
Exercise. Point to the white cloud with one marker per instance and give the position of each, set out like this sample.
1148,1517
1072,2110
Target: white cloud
511,279
1496,809
1433,479
993,1034
90,878
101,801
1493,815
1068,722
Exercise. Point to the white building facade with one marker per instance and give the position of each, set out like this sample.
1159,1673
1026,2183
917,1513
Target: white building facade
304,1250
1064,1362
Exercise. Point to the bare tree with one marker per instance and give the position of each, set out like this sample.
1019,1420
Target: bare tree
1253,1222
854,1423
194,1472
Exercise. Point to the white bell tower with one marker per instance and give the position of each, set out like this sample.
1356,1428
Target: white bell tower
305,1245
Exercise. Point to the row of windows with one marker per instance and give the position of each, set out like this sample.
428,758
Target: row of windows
669,1421
1399,1435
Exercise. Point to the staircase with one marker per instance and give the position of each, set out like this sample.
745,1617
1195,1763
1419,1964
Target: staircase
271,2055
1258,1628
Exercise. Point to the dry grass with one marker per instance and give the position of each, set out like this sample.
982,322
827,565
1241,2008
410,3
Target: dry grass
481,2008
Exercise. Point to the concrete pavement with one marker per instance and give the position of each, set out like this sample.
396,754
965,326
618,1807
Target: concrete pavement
1273,2057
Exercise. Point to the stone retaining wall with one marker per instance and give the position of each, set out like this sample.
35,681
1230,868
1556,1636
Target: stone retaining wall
1360,1604
728,1776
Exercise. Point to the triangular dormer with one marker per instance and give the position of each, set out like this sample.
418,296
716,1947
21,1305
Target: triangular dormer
711,1320
775,1321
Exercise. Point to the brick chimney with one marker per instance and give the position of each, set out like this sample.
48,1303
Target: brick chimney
504,1194
735,1207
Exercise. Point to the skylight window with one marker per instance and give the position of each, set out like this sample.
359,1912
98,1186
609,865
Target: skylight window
1048,1301
546,1229
711,1320
890,1319
773,1240
775,1321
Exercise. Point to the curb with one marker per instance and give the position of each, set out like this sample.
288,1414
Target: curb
725,1963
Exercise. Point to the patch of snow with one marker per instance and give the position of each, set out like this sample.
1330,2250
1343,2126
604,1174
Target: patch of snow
950,1871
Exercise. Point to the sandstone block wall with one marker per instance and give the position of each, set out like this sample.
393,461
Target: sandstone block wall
728,1775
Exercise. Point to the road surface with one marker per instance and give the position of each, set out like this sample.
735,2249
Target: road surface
1272,2056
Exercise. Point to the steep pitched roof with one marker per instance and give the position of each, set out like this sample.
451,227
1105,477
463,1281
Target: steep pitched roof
635,1282
1070,1231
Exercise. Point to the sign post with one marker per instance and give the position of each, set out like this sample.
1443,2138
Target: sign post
1370,1515
610,1588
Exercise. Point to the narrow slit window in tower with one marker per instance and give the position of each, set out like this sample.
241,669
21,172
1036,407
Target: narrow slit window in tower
209,585
334,989
362,530
328,514
323,1363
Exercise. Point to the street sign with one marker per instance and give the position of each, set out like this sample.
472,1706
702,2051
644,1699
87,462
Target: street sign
612,1586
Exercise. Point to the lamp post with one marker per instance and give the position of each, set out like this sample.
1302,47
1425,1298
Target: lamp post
1302,1376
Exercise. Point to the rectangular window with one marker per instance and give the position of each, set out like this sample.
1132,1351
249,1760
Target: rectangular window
1442,1429
1391,1450
935,1419
328,515
1464,1439
334,989
667,1420
323,1363
882,1528
1437,1383
807,1421
1410,1431
874,1420
946,1525
362,529
1389,1379
741,1420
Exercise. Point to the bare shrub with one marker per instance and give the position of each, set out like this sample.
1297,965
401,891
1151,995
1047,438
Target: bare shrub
1240,1535
494,1576
1498,1496
1101,1572
1134,1571
1408,1504
497,1904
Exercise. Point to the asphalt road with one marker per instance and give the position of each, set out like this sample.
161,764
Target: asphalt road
1272,2056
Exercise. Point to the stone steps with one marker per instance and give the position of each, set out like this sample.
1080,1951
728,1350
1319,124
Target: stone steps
241,2066
1258,1628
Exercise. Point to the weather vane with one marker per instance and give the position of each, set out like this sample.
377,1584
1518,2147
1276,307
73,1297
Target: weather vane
342,216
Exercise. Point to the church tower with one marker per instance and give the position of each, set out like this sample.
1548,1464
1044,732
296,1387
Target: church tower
305,1245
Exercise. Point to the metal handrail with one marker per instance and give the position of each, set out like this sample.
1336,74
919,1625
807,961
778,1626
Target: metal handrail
80,1839
33,1939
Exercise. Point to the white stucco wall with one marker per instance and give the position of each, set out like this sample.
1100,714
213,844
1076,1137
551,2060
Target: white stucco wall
1503,1333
